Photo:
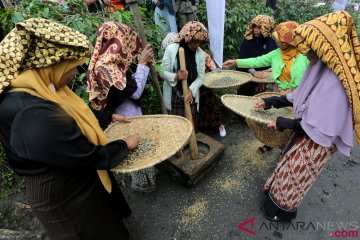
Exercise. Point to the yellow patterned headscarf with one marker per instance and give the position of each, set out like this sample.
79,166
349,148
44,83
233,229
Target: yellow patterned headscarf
265,23
334,40
35,55
284,32
37,43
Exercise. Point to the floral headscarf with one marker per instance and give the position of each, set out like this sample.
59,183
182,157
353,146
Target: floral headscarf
169,39
193,31
265,23
334,40
37,43
284,32
116,47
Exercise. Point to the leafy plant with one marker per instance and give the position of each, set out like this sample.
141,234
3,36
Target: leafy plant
238,14
9,183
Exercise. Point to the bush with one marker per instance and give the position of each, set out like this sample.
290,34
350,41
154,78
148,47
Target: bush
239,13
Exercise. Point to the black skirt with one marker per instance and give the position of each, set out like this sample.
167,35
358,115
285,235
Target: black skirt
75,205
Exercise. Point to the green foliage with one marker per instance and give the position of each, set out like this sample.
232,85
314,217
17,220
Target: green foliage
301,11
9,183
238,14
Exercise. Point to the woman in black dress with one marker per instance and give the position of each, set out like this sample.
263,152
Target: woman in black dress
52,138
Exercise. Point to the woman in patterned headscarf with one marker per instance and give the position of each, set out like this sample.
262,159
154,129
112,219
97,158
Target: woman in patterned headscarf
52,138
191,37
114,88
257,42
287,63
326,106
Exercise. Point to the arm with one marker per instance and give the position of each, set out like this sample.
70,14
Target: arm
258,62
140,77
54,139
287,123
116,97
168,74
104,117
277,102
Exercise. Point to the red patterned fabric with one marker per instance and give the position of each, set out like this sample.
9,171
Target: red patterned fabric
116,47
296,172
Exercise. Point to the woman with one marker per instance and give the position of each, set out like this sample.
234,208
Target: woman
210,108
326,107
287,63
191,37
111,85
164,9
52,138
257,42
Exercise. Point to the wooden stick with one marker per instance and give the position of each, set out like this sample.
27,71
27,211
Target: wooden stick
194,152
139,24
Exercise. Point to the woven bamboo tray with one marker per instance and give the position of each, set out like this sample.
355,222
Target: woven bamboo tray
258,120
161,136
226,78
268,78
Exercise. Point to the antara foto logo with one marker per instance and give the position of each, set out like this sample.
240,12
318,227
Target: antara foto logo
242,225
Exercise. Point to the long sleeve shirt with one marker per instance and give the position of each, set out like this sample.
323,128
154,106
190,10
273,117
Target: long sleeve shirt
281,122
38,136
129,107
273,59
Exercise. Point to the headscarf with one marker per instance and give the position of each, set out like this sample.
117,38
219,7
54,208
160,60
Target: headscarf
47,50
36,43
334,40
169,39
321,102
284,32
116,47
265,23
193,31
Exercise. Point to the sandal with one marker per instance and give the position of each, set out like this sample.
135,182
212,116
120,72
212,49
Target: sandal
264,149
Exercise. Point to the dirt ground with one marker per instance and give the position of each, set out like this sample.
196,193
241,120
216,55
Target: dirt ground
229,195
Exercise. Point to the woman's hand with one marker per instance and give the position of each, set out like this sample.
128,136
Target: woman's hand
120,118
132,142
147,55
272,124
229,63
189,97
259,104
259,74
181,75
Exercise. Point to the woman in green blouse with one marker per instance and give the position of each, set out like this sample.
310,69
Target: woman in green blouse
287,63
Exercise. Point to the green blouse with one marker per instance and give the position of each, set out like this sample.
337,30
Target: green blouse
273,59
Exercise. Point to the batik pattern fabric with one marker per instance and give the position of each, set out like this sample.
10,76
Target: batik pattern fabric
265,23
284,32
116,47
334,40
296,172
193,31
38,43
